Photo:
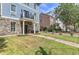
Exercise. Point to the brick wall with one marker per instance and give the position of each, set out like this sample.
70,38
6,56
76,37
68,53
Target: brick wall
44,20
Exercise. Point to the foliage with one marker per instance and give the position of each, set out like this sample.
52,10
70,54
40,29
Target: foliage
68,13
53,28
45,29
2,43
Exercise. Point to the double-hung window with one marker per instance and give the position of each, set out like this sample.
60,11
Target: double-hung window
28,4
13,9
34,6
13,26
26,14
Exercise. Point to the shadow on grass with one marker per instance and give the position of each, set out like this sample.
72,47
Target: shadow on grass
2,43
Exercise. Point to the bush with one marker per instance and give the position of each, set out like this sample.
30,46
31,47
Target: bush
45,29
49,29
2,43
33,31
52,28
71,33
37,31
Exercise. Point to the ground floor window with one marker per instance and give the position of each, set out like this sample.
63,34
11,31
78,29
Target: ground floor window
13,26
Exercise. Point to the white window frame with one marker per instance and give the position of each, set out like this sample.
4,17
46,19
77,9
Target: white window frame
13,13
13,29
35,7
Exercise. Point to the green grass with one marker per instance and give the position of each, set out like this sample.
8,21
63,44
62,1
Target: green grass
63,37
29,45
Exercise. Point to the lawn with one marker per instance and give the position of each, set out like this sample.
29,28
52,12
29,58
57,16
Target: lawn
63,37
29,45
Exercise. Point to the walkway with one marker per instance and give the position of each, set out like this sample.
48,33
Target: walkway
58,40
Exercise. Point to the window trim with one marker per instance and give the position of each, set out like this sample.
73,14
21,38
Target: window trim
26,13
13,11
28,4
13,29
35,7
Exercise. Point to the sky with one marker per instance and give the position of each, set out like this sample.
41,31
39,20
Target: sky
46,7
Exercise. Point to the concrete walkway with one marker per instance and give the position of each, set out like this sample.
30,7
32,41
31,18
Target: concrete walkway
58,40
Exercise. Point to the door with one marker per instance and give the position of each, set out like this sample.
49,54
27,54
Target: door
26,27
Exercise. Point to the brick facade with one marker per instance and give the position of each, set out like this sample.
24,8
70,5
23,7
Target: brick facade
46,21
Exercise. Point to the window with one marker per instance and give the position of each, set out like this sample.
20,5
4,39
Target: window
34,6
26,14
13,26
31,16
21,15
28,4
25,3
13,9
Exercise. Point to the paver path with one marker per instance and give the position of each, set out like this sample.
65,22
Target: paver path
58,40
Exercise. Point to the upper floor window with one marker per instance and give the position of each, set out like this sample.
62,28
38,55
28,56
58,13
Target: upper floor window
34,6
25,3
34,16
26,14
13,9
28,4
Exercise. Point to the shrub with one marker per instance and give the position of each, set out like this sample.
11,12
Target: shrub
45,29
2,43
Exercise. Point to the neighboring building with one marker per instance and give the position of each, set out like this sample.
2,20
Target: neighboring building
61,25
57,21
19,18
46,21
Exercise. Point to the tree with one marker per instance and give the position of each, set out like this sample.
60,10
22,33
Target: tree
68,13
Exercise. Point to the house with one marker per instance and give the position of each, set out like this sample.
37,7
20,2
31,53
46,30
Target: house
61,24
19,18
57,21
46,21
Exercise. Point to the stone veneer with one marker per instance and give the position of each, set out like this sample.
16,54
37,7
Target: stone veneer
5,27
